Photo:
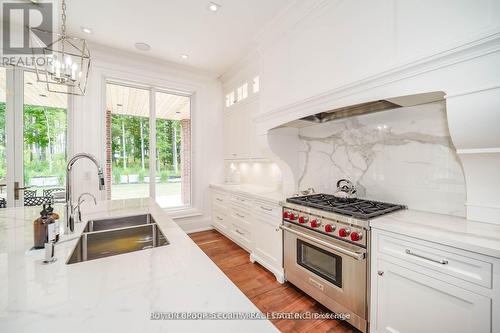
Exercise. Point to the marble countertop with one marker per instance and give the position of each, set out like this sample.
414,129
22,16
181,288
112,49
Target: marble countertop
483,238
260,192
113,294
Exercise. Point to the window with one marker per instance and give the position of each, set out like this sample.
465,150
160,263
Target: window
173,149
45,127
143,165
255,85
242,92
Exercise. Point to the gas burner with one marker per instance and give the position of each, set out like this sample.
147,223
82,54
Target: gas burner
359,208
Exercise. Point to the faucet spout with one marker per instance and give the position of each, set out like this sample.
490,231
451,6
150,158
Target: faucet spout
69,216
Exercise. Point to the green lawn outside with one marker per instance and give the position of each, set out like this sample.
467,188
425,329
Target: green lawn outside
167,194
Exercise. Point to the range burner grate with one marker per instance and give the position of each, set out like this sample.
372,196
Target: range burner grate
359,208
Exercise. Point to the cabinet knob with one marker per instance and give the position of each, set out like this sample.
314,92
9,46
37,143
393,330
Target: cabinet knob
380,273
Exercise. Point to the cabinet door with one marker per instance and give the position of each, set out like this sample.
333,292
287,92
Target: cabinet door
240,136
410,302
268,241
230,135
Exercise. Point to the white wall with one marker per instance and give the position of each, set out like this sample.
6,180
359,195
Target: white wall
87,123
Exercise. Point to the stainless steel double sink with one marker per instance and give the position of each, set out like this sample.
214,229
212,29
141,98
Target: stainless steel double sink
113,236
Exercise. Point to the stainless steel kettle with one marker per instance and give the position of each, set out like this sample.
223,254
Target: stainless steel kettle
346,191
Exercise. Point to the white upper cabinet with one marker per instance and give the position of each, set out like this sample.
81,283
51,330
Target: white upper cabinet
241,105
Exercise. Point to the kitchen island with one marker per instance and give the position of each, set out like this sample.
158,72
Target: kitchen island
118,293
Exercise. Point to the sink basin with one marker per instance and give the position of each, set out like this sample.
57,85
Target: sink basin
118,222
105,243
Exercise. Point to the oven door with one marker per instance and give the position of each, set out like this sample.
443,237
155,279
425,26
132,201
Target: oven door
329,270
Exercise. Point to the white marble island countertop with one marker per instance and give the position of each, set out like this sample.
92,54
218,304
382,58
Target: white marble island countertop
458,232
113,294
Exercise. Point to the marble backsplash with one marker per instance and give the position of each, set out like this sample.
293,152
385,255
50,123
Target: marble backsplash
402,156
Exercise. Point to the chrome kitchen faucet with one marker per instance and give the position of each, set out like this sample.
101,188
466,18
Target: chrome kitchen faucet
69,209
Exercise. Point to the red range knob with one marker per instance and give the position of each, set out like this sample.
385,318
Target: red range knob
344,232
329,228
314,223
286,215
356,236
302,219
292,216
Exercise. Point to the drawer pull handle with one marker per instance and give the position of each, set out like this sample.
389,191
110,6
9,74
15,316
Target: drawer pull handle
239,215
380,273
219,199
243,200
219,218
265,208
442,262
239,232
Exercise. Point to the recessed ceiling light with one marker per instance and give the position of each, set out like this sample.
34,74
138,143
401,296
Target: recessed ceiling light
86,30
142,46
184,56
212,6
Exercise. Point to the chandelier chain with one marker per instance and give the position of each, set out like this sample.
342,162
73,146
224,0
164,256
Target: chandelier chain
63,18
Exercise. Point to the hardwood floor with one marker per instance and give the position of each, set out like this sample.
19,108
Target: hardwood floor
261,287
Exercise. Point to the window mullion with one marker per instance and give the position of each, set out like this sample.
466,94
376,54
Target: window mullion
152,143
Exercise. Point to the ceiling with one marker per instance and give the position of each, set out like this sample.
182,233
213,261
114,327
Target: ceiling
135,102
35,93
213,40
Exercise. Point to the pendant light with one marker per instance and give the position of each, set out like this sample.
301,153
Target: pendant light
67,61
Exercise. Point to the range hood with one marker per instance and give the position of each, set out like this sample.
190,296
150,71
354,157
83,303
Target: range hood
369,107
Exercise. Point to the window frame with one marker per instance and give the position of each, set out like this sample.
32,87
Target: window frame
153,90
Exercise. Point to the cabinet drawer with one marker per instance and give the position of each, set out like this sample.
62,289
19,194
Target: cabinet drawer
242,236
220,221
242,202
216,207
218,198
442,259
262,207
241,217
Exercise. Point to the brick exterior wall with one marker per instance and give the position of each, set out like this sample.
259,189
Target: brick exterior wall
186,161
109,162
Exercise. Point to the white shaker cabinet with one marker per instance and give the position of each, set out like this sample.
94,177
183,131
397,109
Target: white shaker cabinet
268,238
419,286
410,302
240,136
253,224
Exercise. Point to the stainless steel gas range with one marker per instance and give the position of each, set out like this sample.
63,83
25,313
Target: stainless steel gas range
326,250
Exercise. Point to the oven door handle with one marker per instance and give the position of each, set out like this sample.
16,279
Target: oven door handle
355,255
